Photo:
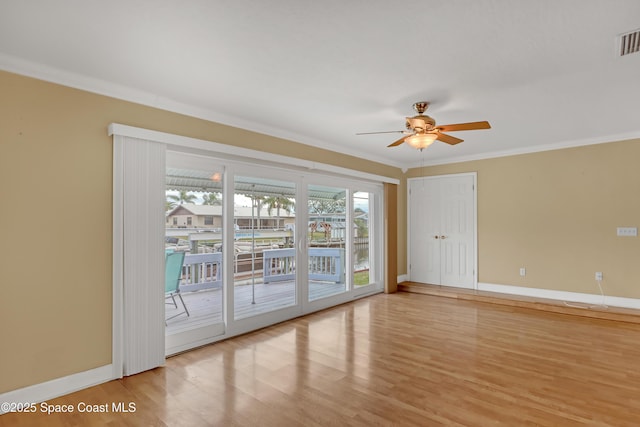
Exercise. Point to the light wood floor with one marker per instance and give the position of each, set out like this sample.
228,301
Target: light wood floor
400,359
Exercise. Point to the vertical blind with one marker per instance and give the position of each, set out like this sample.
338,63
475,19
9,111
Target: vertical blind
142,256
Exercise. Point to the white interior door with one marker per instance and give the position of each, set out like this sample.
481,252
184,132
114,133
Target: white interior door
442,230
424,224
457,237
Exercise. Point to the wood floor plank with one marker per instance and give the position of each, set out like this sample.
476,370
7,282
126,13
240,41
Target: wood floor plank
390,359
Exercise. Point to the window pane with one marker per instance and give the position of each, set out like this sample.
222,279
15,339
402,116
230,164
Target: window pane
327,241
264,255
193,292
361,255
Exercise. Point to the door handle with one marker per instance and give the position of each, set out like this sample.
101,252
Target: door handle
443,237
436,237
301,244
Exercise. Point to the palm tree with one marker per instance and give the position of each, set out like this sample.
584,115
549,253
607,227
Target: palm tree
277,203
257,202
211,199
182,197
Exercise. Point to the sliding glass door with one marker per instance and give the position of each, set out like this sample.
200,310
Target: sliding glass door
247,246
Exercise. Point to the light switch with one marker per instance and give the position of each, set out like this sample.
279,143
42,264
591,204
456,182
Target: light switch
627,231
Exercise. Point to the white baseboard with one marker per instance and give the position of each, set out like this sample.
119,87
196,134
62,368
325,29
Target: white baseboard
592,299
59,387
403,278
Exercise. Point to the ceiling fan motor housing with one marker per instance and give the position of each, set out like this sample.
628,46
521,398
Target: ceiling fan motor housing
420,123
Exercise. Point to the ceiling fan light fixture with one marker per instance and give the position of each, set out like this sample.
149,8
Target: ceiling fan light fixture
421,140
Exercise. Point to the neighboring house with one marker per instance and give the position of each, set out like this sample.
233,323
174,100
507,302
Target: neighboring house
189,215
207,216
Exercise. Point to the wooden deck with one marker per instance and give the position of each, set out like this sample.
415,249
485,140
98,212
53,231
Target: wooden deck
205,307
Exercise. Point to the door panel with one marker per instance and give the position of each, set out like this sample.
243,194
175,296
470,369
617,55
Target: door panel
264,246
194,296
327,241
457,228
425,232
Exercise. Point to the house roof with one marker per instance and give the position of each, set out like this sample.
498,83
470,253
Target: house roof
238,211
200,181
545,74
194,209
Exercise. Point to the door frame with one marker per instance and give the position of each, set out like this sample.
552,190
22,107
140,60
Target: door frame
474,175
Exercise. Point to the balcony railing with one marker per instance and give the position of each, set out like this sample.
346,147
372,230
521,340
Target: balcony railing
325,264
204,271
201,271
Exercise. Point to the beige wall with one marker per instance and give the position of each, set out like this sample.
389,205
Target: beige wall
55,167
556,214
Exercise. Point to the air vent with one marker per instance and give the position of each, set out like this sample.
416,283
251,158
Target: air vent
629,43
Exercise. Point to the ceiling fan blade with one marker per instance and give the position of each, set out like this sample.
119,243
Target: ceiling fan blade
375,133
465,126
398,142
451,140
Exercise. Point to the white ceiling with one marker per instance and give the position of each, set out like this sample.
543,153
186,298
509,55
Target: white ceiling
544,73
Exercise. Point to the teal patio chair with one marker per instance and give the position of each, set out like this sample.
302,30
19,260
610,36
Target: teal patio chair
172,276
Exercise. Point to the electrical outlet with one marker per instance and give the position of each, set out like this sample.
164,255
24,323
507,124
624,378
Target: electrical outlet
599,276
523,271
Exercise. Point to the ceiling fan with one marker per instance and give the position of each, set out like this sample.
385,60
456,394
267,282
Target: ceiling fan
421,130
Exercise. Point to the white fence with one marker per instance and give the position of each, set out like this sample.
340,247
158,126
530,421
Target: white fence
201,271
325,264
204,271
